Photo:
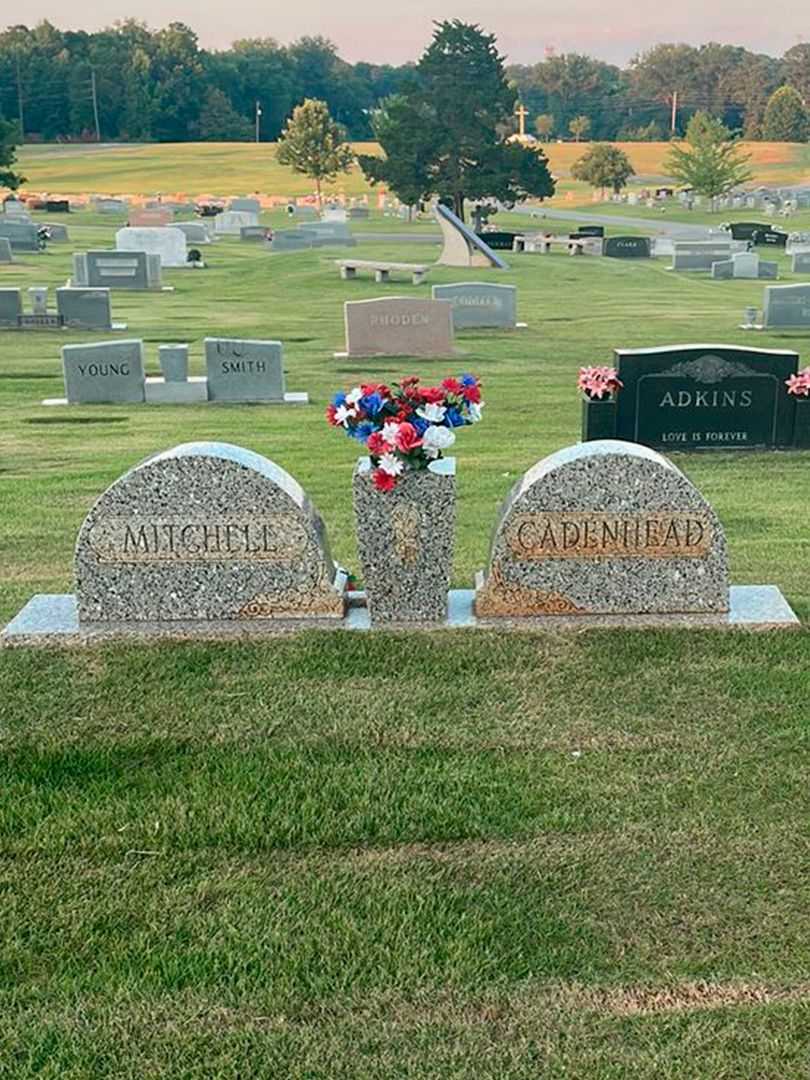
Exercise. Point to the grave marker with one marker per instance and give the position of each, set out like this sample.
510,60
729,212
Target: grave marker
168,243
88,309
628,247
107,373
135,270
480,304
249,371
399,326
787,306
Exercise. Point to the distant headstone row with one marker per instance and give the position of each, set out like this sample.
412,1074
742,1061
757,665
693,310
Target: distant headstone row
79,308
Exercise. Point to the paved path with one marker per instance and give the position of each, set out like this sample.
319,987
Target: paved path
663,228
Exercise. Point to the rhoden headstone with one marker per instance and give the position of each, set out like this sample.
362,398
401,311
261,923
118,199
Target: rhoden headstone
787,306
480,304
11,307
628,247
107,373
605,528
86,308
399,326
700,254
5,251
21,235
698,397
249,371
205,533
168,243
135,270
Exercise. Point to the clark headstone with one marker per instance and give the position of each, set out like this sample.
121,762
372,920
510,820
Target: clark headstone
628,247
605,528
478,305
399,326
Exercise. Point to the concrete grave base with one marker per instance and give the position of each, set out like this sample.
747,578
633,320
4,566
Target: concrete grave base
193,392
50,620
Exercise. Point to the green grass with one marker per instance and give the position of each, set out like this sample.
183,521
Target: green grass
354,856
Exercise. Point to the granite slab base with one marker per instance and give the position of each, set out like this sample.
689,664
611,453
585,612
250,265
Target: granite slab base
51,620
193,392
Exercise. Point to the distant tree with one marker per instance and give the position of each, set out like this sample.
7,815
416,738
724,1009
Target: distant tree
604,166
785,117
312,143
544,126
219,121
796,67
443,133
8,155
652,132
710,162
579,127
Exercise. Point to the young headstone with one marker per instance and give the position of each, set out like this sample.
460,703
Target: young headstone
462,246
135,270
701,397
479,304
5,251
250,371
696,255
800,263
248,206
787,306
88,309
628,247
21,235
11,307
168,243
108,373
195,232
231,222
605,528
746,265
399,326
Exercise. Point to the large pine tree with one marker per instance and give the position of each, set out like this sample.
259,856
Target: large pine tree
8,155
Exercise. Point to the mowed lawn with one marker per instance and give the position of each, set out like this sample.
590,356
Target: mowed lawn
443,855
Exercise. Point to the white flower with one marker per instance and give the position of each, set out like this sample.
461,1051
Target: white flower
389,432
437,439
434,414
343,415
390,464
475,411
354,395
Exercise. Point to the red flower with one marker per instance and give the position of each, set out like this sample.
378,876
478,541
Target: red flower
452,386
471,394
407,438
383,481
404,414
375,388
432,395
376,444
330,415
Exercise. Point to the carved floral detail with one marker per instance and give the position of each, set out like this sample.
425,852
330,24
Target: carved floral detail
710,369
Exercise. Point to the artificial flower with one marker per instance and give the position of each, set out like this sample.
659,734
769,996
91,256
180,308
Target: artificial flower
432,395
407,438
383,481
436,439
799,385
434,414
389,432
390,463
377,445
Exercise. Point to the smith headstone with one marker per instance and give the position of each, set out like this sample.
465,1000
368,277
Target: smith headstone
107,373
249,371
478,305
399,326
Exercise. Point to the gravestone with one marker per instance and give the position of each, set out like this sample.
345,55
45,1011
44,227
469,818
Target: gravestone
107,373
746,230
256,234
195,232
787,306
5,251
57,233
205,533
745,265
628,247
591,230
244,370
697,255
57,206
605,528
231,222
86,308
136,270
21,235
771,238
334,213
292,240
174,362
399,326
10,307
110,206
157,218
168,243
699,397
358,213
800,263
326,233
247,206
479,304
462,247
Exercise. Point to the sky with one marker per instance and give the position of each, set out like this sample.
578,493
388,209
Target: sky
613,30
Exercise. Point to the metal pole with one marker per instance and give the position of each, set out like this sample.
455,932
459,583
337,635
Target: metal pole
95,104
20,100
674,110
258,120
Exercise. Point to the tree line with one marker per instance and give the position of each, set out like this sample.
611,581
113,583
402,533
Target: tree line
131,83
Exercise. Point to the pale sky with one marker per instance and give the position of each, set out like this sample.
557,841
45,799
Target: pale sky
613,30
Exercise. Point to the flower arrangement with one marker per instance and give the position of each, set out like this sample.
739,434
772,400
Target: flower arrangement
406,426
599,382
799,385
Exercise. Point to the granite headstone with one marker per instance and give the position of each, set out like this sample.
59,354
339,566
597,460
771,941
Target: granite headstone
250,371
480,304
106,373
399,326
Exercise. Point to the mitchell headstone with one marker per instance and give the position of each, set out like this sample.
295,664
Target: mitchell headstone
605,528
88,309
168,243
202,534
135,270
107,373
787,306
480,304
628,247
399,326
249,371
699,397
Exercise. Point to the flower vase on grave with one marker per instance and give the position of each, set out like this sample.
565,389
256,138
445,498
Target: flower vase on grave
405,540
598,418
802,428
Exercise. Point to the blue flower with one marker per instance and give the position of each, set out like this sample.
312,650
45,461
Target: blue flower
338,400
363,430
420,424
453,418
468,380
371,404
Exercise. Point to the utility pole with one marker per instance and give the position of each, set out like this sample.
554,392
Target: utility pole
95,103
258,119
20,100
674,110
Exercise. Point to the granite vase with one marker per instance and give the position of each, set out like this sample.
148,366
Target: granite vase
405,540
598,418
802,429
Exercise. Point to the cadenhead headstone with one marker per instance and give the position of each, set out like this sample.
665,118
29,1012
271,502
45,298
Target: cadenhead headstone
106,373
605,527
699,397
205,533
787,305
249,371
169,243
399,326
11,307
480,304
86,308
628,247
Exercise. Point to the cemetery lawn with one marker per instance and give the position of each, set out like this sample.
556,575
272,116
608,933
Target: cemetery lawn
338,857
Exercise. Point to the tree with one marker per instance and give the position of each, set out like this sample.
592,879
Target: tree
796,66
544,125
579,127
444,133
219,121
8,155
313,144
604,166
785,117
710,162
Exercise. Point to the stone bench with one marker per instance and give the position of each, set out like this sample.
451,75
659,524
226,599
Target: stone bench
382,270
